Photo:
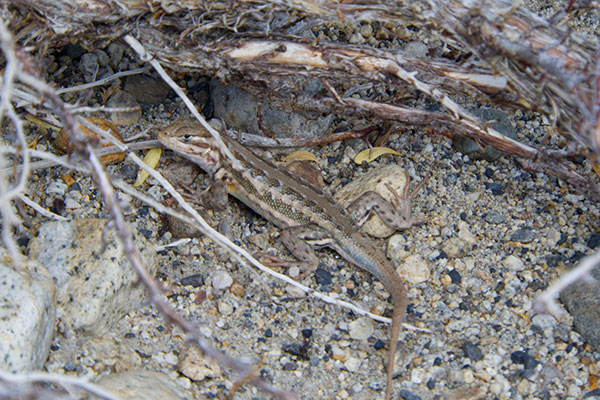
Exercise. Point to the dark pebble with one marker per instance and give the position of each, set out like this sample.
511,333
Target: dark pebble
496,188
450,179
23,241
296,349
290,366
268,333
552,260
143,211
523,235
70,366
523,358
408,395
593,241
489,172
128,172
455,276
379,344
430,384
195,280
471,351
323,277
129,335
147,233
307,333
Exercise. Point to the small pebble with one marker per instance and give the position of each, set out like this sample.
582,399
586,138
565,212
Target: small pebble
238,289
115,53
523,358
513,263
471,351
361,328
415,269
593,241
224,308
497,189
195,280
408,395
352,364
294,292
56,188
544,321
196,366
323,277
455,276
495,218
455,248
222,280
523,235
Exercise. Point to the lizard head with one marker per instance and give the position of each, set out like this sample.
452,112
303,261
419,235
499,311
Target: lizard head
191,140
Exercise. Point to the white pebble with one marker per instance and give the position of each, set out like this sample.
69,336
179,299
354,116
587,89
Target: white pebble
361,329
222,280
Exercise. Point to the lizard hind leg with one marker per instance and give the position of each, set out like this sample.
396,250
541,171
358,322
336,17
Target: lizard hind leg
300,241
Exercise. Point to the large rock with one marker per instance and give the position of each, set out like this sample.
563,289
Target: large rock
95,283
140,384
27,315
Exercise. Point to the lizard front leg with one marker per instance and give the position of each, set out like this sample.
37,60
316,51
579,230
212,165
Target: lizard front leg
397,214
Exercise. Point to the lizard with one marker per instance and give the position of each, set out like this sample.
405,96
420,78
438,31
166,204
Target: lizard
303,211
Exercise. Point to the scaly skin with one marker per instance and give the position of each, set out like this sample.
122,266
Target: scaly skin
300,209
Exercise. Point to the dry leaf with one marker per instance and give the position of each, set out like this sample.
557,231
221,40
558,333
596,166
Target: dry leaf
62,141
301,155
151,159
369,155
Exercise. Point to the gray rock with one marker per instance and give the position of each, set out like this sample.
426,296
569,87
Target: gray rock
121,99
146,89
103,58
28,315
239,110
115,53
88,65
583,302
501,124
96,286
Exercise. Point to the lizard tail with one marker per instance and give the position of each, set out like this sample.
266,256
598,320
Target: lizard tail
400,304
